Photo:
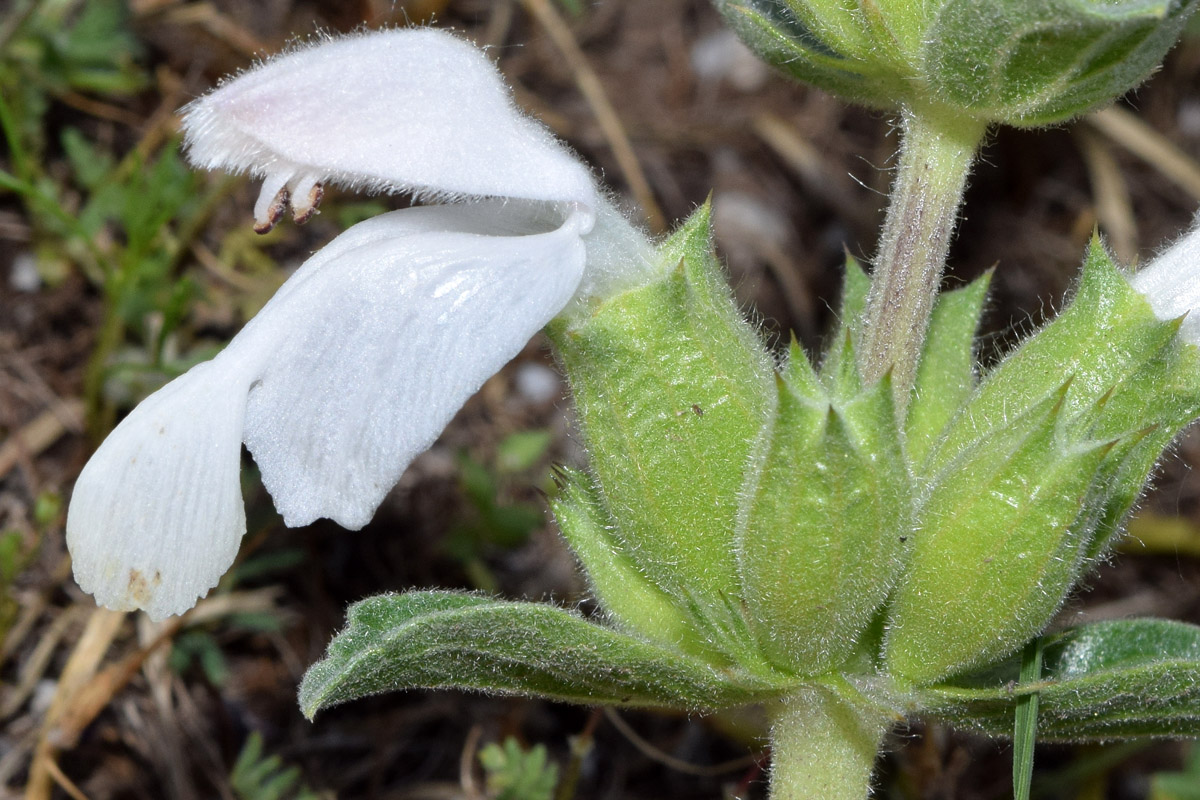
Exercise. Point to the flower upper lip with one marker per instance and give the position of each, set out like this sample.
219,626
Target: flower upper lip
365,354
390,111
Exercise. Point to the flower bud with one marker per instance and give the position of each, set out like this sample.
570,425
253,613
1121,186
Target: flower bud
1015,61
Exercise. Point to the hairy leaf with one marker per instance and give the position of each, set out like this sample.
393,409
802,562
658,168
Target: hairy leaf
447,640
1103,681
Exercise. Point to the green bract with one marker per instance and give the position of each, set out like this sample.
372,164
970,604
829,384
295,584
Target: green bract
1023,62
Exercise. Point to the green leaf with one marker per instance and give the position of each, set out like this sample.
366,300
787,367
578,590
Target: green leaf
201,647
514,774
800,376
1183,785
255,777
1148,410
12,556
573,7
946,372
825,527
90,165
47,508
1106,335
1132,383
1103,681
478,482
522,450
441,640
839,368
97,52
840,47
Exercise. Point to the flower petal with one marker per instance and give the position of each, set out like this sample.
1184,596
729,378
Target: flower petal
351,370
382,336
156,515
1171,283
399,110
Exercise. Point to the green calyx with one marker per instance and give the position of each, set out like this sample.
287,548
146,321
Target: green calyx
777,532
825,517
1022,62
743,515
1032,476
672,387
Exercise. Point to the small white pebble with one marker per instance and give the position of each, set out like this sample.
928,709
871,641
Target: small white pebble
43,695
722,56
537,383
24,276
1188,118
743,217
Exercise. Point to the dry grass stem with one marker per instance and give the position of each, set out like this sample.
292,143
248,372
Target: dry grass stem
1114,208
593,91
41,432
1127,130
677,764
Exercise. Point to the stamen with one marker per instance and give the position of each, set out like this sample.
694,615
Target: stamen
306,196
273,201
275,212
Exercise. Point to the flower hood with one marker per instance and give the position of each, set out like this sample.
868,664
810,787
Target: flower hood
365,354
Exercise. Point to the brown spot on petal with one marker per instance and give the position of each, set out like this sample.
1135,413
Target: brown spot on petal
302,214
275,212
139,589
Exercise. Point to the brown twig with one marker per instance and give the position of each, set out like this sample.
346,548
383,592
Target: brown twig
581,746
91,698
1114,209
593,92
206,16
466,764
43,431
65,783
677,764
812,168
1137,137
33,667
98,634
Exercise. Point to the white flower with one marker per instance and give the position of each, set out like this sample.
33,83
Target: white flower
365,354
1171,283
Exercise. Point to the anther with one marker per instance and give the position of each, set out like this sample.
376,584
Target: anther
275,212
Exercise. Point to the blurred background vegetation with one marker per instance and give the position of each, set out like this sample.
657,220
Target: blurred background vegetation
120,268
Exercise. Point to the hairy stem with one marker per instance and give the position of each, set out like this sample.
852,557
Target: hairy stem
823,744
935,159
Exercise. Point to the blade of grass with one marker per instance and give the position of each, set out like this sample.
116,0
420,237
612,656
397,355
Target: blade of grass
1025,724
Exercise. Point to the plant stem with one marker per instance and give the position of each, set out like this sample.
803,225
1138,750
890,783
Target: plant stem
823,744
935,159
99,418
